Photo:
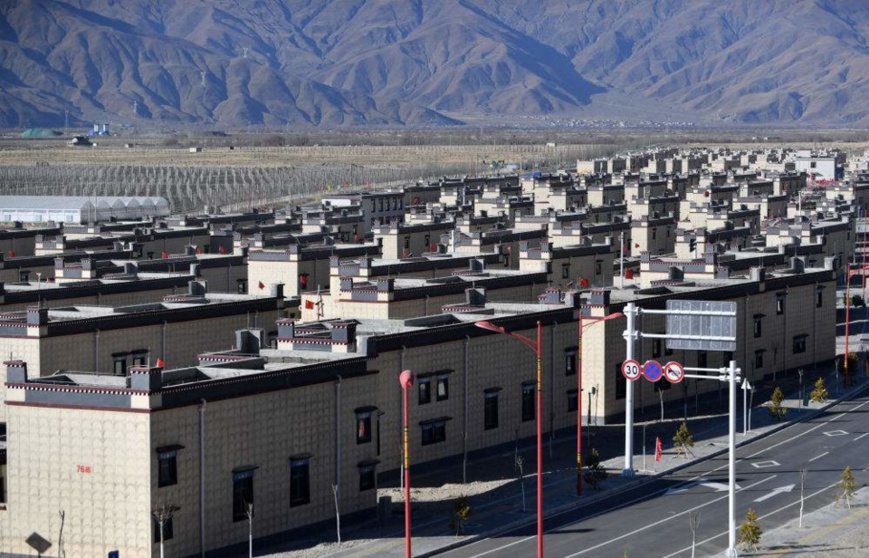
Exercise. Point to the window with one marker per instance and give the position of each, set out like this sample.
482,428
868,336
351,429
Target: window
119,365
407,243
363,426
242,493
367,475
656,348
443,392
241,286
167,466
23,276
654,234
434,431
572,400
780,304
139,360
758,330
490,409
168,531
598,267
424,390
758,359
800,344
570,361
300,481
620,382
819,298
528,401
565,271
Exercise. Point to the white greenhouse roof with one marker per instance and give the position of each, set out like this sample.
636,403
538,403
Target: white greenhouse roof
72,203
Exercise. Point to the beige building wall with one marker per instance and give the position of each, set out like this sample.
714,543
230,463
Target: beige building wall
90,464
264,431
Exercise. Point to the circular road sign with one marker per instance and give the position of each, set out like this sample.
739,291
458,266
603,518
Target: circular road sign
652,370
674,372
631,369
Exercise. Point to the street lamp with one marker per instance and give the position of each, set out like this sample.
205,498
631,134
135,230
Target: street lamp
406,381
581,328
534,345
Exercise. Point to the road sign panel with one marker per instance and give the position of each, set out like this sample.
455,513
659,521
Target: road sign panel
631,369
701,325
652,370
674,372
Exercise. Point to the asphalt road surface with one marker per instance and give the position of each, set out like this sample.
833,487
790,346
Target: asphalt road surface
654,519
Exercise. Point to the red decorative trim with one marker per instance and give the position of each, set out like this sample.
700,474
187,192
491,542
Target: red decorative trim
35,386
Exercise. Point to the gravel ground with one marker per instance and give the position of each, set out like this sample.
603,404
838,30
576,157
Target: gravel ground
833,531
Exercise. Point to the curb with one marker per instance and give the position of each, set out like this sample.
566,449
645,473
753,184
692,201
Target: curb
638,481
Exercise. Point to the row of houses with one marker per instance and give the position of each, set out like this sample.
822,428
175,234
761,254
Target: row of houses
254,358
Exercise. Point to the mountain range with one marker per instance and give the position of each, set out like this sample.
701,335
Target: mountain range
237,63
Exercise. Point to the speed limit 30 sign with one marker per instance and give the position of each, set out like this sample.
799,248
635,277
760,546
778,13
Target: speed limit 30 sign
631,369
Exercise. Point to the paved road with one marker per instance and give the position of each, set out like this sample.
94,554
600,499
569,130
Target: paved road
653,519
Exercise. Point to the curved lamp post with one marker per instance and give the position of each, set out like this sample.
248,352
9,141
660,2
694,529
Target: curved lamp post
582,328
534,345
406,381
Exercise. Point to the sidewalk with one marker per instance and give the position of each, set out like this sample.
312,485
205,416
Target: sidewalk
496,496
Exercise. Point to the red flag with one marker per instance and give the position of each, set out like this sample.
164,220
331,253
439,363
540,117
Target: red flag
261,285
165,255
11,253
309,305
629,274
198,250
583,282
636,245
160,363
659,448
221,250
303,280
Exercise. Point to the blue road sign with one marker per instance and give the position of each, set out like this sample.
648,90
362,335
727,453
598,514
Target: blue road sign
652,370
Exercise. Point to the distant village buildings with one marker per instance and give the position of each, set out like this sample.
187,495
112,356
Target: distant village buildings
206,363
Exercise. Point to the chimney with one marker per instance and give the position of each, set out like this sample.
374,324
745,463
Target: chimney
344,332
249,341
143,378
475,296
37,316
757,274
197,288
194,269
16,371
599,297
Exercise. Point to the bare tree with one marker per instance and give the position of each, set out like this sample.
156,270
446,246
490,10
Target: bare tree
60,552
337,511
248,511
162,515
519,463
803,474
693,523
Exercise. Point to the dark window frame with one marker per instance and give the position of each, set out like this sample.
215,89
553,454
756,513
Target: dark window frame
434,431
529,401
572,401
168,530
300,481
571,363
242,493
442,387
424,390
490,409
167,468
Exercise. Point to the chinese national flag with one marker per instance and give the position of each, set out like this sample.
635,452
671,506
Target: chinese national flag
659,448
636,245
221,250
583,282
629,274
261,285
11,253
303,280
160,363
165,255
309,305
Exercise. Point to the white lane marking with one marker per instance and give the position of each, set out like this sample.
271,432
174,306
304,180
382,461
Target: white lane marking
834,433
716,486
861,436
776,492
786,506
659,522
630,502
818,456
765,464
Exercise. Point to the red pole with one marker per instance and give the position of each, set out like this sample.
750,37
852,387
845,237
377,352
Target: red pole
539,449
847,322
579,408
406,380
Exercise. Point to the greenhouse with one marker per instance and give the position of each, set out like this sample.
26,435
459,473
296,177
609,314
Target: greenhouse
80,209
